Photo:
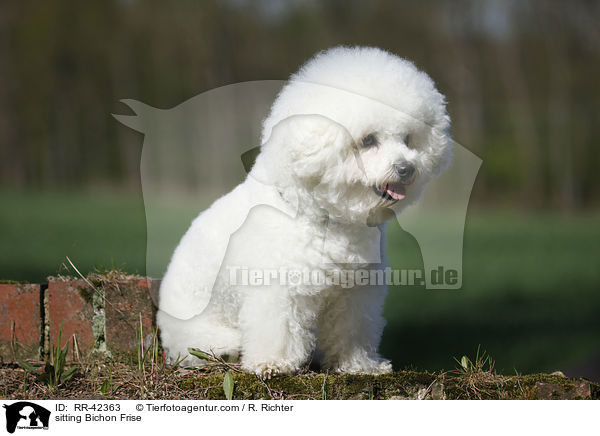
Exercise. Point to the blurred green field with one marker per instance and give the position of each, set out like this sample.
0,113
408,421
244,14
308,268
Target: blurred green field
531,283
530,297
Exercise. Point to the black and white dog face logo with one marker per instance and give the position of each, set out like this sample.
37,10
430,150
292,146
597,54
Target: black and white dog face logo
26,415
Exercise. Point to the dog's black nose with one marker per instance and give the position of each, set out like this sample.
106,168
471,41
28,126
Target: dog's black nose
405,171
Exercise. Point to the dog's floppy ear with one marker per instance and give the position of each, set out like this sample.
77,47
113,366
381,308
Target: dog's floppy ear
309,144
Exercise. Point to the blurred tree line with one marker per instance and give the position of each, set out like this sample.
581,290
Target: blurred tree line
521,77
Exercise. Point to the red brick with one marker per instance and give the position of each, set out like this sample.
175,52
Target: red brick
70,305
125,302
20,324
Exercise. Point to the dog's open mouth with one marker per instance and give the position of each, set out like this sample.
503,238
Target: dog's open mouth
391,191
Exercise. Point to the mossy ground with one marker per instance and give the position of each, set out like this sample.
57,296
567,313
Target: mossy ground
108,379
398,385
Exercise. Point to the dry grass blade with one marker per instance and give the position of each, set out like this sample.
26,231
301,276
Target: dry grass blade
214,361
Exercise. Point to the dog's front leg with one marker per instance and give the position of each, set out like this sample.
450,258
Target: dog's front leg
277,331
350,329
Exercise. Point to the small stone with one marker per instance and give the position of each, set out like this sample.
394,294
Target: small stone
437,391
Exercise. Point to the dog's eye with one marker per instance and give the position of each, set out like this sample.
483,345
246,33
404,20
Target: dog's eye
407,140
369,140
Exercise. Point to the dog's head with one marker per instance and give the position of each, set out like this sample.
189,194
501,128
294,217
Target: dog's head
356,130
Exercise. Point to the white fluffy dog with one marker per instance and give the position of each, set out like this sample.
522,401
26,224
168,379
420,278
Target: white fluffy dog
355,132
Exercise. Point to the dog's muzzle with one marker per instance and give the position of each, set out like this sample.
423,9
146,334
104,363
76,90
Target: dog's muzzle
396,190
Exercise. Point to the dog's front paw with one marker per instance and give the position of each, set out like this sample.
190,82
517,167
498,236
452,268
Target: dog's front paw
268,370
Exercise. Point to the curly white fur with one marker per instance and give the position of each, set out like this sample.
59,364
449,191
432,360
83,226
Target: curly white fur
313,180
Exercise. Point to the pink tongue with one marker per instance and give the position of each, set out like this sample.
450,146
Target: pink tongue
399,194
